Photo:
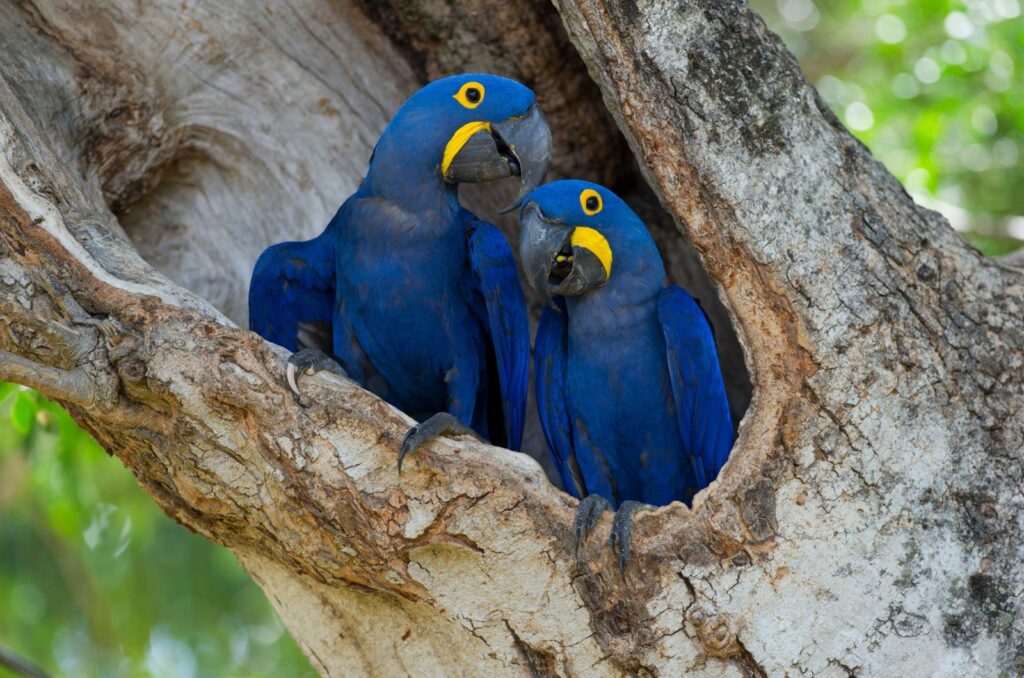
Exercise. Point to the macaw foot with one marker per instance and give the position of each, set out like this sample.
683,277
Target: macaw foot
441,424
622,530
587,514
310,361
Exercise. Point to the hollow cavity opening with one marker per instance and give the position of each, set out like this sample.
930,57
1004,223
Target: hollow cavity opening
215,205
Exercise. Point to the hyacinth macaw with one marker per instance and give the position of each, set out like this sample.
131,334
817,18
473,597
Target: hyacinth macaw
628,383
407,292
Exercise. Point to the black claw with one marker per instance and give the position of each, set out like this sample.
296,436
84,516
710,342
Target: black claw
407,445
440,424
587,514
310,361
622,530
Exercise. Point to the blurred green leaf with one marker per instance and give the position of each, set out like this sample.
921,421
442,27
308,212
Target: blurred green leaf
994,245
96,581
23,412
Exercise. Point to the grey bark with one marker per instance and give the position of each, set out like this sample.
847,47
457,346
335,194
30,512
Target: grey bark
869,520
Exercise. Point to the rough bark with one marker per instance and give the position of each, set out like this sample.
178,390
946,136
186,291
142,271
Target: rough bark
869,520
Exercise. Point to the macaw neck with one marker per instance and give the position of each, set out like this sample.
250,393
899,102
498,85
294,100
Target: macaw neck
404,170
629,295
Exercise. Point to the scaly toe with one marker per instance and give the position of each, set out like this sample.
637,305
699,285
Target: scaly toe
587,514
309,361
440,424
622,530
409,443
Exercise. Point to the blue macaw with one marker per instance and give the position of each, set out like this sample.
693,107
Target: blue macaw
407,292
628,383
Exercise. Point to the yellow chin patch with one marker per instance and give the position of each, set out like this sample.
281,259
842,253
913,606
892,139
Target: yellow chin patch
459,140
591,240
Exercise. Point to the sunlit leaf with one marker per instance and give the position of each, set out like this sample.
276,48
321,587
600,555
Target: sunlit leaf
23,412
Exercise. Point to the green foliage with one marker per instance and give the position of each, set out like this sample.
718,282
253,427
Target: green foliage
932,87
96,581
993,245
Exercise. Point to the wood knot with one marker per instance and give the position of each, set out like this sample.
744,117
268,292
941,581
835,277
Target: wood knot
132,370
715,631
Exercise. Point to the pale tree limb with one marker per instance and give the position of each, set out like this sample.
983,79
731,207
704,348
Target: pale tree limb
71,386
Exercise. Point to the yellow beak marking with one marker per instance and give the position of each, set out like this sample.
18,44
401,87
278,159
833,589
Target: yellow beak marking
591,240
459,140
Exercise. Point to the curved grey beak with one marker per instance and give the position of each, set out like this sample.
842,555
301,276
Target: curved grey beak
478,160
515,147
528,139
551,263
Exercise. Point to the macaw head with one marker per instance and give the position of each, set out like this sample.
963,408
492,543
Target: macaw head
472,128
577,235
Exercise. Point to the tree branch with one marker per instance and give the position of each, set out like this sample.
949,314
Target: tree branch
1013,259
70,386
20,665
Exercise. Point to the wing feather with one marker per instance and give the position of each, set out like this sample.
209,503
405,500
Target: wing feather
702,408
291,295
497,280
549,365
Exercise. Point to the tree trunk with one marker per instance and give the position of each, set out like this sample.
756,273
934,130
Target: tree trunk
871,518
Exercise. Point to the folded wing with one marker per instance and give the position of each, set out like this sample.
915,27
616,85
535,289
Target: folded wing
497,280
291,295
549,365
702,409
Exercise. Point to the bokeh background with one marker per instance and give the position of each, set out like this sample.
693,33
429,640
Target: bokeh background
933,87
95,581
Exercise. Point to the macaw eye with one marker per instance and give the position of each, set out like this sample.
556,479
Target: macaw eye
591,202
470,94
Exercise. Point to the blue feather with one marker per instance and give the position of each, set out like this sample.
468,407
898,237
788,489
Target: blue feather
702,408
496,279
549,361
292,283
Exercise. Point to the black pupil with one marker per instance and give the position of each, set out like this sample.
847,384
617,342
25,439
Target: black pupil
592,204
472,95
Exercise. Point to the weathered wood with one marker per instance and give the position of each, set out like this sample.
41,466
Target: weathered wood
869,520
886,358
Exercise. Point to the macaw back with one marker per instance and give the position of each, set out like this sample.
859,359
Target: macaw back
403,290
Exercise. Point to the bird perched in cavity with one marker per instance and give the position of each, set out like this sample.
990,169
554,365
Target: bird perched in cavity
406,291
628,383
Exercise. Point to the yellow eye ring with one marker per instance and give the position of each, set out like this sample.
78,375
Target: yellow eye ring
590,201
470,95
